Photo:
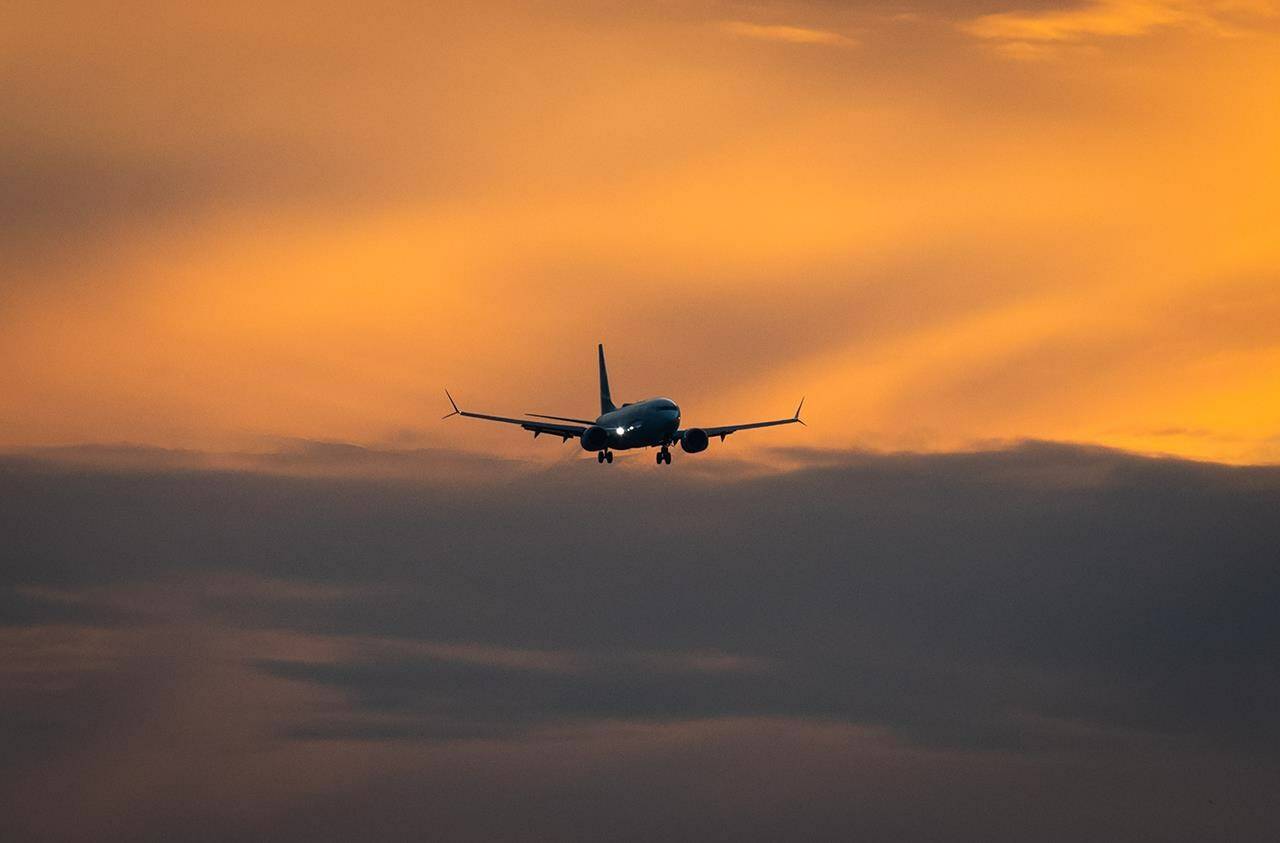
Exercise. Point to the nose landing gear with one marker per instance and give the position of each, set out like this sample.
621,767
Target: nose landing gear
664,456
604,456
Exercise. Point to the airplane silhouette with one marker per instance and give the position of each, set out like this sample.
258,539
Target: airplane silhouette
653,422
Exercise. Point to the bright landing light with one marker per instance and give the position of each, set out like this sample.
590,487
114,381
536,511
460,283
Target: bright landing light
619,431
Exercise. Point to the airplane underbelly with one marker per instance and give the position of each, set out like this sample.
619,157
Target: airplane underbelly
646,436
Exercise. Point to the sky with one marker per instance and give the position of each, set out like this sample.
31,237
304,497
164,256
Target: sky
948,223
1015,581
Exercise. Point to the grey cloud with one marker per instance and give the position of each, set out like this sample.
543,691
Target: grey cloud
891,588
1050,605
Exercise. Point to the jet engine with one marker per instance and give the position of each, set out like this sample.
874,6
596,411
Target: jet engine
595,438
695,439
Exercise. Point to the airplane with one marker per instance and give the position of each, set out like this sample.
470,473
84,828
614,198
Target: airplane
653,422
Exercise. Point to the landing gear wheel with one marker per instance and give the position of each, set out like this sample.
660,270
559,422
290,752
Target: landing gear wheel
608,457
600,456
664,456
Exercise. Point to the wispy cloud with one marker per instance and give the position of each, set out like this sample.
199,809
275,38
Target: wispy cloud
1113,18
788,34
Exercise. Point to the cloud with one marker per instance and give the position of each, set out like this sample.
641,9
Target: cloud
826,580
57,657
297,457
787,34
1023,30
302,638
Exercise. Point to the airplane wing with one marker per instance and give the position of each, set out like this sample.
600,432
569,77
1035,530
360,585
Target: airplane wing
564,431
587,422
725,430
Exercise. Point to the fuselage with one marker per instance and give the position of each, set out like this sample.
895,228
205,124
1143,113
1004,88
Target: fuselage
653,421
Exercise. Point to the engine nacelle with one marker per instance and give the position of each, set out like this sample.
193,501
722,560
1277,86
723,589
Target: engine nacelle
695,439
594,438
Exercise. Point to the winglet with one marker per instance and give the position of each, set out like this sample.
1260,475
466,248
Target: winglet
456,411
797,415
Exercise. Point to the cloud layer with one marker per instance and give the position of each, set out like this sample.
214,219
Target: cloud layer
890,636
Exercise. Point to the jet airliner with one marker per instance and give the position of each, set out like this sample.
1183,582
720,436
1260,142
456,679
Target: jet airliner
653,422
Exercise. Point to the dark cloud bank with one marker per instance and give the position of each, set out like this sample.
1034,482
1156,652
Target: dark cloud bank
1045,642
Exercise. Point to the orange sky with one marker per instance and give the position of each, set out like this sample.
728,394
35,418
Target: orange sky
945,222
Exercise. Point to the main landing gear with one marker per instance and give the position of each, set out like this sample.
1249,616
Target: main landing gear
604,456
664,456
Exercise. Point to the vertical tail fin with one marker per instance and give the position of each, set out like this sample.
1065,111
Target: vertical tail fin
606,400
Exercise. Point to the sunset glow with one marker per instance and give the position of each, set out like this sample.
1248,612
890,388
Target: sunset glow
940,240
